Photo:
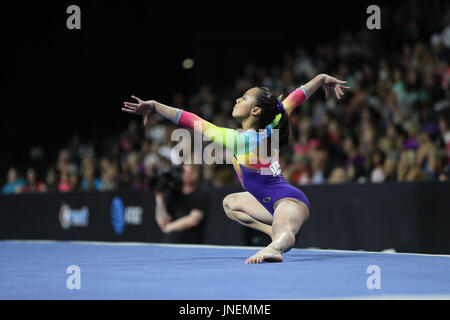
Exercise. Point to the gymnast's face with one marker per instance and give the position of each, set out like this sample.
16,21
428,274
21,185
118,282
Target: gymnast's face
246,105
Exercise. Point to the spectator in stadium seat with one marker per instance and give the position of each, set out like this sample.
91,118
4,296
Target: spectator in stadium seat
108,180
377,173
338,175
74,181
14,184
397,137
88,178
354,158
300,174
51,180
426,159
444,125
444,129
407,170
64,183
389,169
33,185
318,165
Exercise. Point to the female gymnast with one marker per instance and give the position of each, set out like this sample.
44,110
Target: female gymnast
270,204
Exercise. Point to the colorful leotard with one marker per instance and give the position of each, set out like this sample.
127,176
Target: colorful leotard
260,176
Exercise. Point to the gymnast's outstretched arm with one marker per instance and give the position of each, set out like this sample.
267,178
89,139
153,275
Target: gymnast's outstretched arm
233,140
298,96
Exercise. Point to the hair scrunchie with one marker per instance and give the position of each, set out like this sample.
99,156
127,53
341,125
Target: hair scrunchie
280,107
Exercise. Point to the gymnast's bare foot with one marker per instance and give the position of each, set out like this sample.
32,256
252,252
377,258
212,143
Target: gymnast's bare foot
267,254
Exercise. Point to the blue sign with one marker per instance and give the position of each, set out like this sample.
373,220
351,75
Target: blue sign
117,215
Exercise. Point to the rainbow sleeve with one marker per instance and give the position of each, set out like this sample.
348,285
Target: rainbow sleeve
233,140
295,98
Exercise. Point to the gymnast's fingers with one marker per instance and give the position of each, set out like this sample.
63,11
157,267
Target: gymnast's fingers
129,110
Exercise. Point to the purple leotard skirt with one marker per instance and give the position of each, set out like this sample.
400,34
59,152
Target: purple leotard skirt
268,189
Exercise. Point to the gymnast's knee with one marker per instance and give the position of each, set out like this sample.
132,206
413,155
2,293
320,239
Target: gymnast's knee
227,205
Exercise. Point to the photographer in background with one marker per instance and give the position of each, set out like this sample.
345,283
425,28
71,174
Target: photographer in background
181,204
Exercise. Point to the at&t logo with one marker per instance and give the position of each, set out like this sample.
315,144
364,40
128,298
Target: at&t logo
121,215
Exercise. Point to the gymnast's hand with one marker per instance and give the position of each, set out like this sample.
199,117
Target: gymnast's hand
142,108
330,82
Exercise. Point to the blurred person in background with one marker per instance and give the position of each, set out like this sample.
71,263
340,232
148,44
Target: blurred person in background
444,155
74,181
442,167
33,185
104,164
426,159
182,208
377,161
51,180
125,174
88,178
14,183
299,171
156,132
109,179
367,145
338,175
301,146
64,184
355,162
64,164
150,164
130,137
334,133
444,126
390,169
319,158
136,181
407,170
88,160
103,182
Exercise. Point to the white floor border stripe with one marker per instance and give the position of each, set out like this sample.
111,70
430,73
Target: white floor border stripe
106,243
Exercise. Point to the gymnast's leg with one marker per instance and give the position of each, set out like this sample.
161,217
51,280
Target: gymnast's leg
288,217
245,209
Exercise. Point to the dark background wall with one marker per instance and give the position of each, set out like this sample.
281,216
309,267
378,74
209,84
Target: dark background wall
347,217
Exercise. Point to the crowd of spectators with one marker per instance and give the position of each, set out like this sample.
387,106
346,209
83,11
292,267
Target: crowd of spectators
393,125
